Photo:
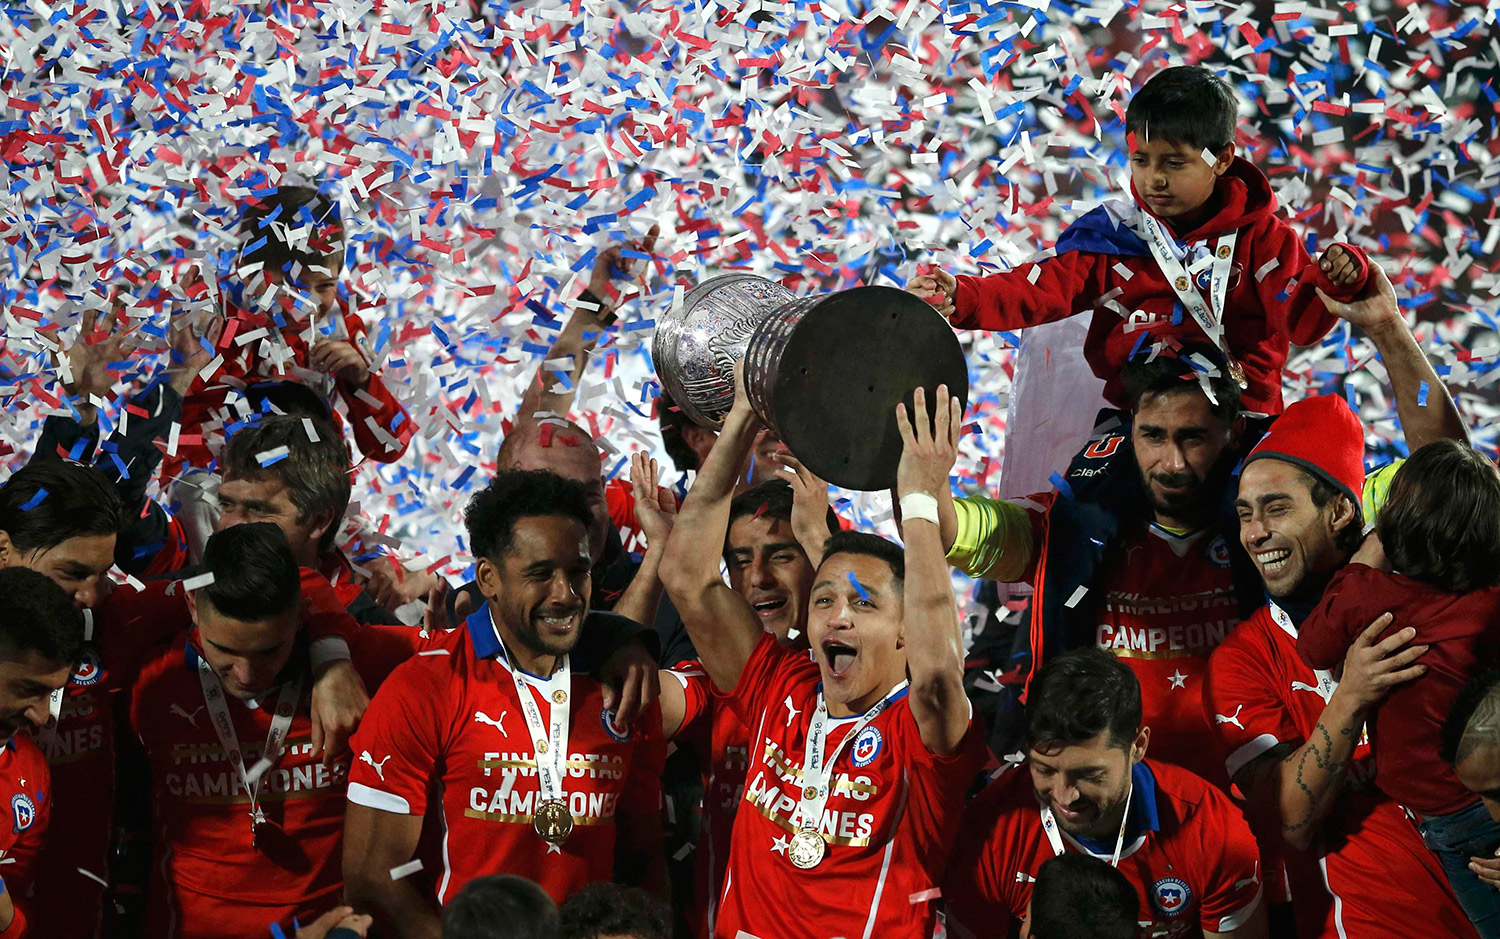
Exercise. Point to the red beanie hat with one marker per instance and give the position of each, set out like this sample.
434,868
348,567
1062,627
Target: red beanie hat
1322,436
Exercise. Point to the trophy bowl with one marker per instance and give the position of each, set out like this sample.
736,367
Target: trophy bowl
824,373
696,345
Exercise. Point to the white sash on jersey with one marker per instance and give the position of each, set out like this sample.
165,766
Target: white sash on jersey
549,740
218,715
818,771
1049,826
1208,315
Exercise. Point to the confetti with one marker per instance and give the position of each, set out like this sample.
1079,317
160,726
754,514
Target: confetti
859,588
405,870
1077,597
34,501
198,582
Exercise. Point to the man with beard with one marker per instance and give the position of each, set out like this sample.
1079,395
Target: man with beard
1088,788
1292,738
531,773
1152,580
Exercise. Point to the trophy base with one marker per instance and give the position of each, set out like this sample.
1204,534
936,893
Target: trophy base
841,364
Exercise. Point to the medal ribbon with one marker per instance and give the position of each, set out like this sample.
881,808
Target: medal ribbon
816,771
1208,317
1049,825
552,736
218,715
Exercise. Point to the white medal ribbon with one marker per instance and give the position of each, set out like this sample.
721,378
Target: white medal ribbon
1049,826
281,722
1209,315
818,771
550,739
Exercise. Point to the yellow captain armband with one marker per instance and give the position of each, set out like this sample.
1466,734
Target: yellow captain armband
993,540
1377,490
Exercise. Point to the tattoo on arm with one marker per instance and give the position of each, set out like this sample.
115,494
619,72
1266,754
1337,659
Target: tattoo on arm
1321,753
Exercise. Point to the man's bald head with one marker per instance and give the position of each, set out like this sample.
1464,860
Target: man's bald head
562,447
1471,739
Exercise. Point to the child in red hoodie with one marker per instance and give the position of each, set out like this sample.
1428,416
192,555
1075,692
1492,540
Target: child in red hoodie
1440,533
287,325
1197,249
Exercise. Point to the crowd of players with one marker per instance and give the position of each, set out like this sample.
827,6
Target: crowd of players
1249,694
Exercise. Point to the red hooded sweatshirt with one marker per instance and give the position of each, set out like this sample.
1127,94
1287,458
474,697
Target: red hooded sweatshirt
1102,264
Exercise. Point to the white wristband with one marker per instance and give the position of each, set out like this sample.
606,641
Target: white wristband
919,505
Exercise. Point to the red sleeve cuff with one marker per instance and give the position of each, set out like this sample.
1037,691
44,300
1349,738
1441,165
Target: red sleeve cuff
966,303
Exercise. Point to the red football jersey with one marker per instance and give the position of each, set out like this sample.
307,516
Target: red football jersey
25,785
450,718
1369,874
81,747
1194,862
1169,602
889,821
722,741
205,863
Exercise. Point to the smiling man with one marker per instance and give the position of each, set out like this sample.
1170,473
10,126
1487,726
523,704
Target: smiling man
531,775
1292,738
1088,787
860,755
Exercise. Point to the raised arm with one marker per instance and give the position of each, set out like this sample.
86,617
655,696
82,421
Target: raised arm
1425,417
554,389
809,508
719,621
934,645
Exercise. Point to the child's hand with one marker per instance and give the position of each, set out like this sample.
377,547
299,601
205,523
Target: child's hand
340,359
1339,265
937,288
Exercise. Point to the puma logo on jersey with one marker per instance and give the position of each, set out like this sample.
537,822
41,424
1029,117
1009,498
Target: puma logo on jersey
1252,879
190,718
1315,689
1231,719
365,757
482,718
791,710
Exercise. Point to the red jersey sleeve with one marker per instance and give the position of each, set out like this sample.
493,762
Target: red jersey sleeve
398,742
1304,318
982,889
648,762
130,622
1241,703
1353,600
1044,291
697,692
1231,887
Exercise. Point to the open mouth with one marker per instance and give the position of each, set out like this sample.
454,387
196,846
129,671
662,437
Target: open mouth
1273,561
766,609
557,621
840,657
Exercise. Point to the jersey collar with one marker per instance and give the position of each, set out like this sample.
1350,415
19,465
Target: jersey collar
485,637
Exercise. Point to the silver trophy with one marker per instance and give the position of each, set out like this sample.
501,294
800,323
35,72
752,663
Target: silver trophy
824,373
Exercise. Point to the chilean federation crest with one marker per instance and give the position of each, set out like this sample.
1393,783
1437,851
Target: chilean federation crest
607,718
22,811
87,671
866,747
1171,896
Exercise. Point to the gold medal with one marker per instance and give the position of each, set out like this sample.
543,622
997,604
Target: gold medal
807,849
1236,371
552,821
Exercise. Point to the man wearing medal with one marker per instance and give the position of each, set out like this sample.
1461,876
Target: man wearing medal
859,757
498,741
1087,787
249,816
